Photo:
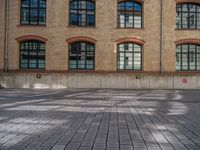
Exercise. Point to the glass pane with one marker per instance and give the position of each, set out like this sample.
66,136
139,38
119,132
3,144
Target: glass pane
25,3
185,7
192,61
129,61
178,8
185,61
73,64
42,46
42,4
81,64
130,47
90,5
198,49
82,18
129,20
74,5
178,20
184,48
90,64
137,7
192,20
33,66
73,19
24,16
90,20
33,16
192,7
42,17
137,48
41,61
178,48
198,20
82,4
34,3
129,6
178,61
198,61
121,20
41,66
121,6
24,66
185,20
24,56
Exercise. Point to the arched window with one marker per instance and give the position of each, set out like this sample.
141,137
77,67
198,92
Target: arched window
82,13
187,57
129,56
33,12
32,55
81,55
129,14
188,16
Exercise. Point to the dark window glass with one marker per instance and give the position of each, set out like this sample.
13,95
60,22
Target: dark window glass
82,13
188,57
81,55
32,55
188,16
33,12
129,56
129,14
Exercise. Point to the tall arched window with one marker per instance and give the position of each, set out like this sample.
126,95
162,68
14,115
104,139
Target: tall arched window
129,56
81,55
82,13
32,55
33,12
129,14
188,16
188,57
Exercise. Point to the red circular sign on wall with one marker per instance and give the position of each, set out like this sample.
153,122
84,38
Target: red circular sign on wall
185,80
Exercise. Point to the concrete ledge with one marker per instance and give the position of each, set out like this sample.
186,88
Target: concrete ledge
90,80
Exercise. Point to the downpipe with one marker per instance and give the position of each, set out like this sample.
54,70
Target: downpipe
161,37
6,35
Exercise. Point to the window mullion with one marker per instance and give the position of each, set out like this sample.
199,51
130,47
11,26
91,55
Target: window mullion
133,57
195,57
85,55
29,18
38,10
196,18
133,15
86,11
188,51
181,16
181,58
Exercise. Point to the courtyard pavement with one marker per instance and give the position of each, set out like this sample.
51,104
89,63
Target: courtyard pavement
99,119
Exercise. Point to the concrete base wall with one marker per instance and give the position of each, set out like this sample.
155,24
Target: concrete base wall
89,80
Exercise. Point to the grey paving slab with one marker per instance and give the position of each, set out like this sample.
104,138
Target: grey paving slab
93,119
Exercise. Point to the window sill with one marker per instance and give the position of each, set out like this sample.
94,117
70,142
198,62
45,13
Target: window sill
26,25
130,28
187,29
83,27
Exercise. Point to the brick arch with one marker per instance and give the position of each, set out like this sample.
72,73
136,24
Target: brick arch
139,1
81,38
188,41
130,39
187,1
31,37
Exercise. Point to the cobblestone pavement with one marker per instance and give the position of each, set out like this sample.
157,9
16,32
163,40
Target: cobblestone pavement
86,119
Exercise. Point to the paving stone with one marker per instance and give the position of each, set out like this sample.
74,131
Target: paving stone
86,119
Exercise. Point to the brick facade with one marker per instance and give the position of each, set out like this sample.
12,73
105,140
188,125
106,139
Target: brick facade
58,34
